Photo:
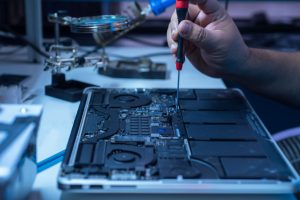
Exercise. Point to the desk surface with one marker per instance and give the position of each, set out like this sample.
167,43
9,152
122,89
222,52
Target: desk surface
58,115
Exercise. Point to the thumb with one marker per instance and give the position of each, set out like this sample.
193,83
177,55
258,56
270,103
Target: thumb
198,35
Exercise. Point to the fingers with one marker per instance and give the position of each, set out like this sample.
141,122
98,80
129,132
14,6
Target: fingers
172,42
172,33
193,12
174,17
211,11
208,6
196,34
203,19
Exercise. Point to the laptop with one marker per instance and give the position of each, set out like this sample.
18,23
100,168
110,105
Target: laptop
137,141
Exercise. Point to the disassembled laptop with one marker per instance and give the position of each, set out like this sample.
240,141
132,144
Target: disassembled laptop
134,140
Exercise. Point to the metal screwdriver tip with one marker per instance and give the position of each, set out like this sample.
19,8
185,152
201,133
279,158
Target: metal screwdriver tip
177,95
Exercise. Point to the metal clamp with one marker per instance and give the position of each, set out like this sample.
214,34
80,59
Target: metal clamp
67,58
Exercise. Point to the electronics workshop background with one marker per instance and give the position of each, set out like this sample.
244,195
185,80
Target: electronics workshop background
266,24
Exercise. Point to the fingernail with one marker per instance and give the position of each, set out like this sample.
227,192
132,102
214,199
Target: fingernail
185,28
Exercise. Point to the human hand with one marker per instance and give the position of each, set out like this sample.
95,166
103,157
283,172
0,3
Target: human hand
213,43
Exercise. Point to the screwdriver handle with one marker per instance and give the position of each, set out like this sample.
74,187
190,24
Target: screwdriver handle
181,11
182,4
180,55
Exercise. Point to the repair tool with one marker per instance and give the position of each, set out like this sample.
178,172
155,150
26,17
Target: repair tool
181,10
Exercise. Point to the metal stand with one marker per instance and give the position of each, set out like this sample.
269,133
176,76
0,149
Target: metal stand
70,90
33,11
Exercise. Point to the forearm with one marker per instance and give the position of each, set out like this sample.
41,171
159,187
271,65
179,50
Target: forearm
273,74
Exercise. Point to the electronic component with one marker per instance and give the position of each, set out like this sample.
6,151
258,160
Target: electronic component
137,137
139,68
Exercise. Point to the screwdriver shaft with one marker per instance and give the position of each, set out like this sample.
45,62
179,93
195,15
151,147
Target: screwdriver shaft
177,95
181,11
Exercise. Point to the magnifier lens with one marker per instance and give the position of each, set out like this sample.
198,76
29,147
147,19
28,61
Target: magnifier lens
98,24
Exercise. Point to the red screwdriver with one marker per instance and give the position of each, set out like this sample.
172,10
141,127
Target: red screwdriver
181,11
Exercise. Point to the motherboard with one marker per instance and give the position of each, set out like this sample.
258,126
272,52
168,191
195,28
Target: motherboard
138,134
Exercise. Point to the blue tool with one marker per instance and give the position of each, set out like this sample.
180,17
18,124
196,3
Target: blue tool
159,6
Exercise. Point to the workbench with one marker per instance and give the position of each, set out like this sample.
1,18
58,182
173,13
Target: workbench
58,115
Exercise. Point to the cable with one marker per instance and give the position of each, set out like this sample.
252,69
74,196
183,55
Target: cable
51,161
15,50
89,52
287,134
96,49
143,41
25,41
141,56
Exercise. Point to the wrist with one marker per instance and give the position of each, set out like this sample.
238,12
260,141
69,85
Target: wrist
242,68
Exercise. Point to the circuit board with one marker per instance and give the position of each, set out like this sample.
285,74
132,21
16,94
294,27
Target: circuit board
137,134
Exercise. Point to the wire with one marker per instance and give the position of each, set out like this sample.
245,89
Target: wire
89,52
141,56
25,41
143,41
97,48
287,134
50,161
15,50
